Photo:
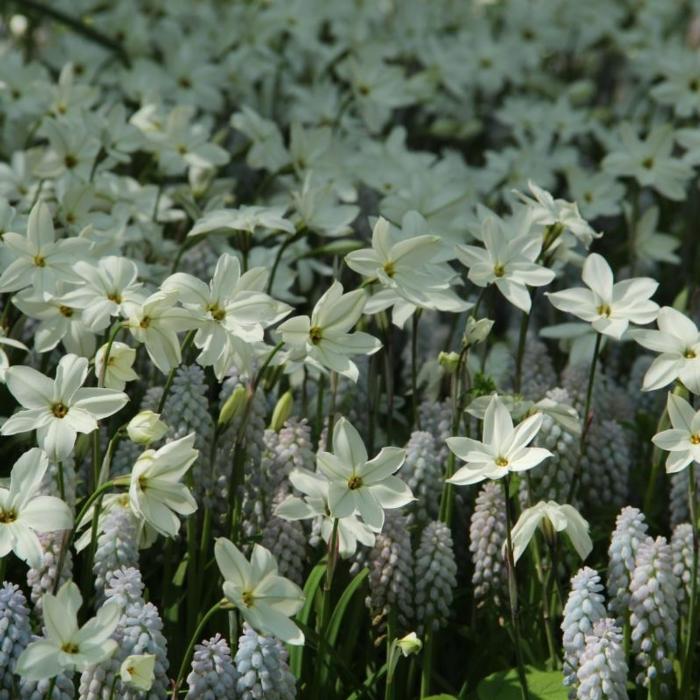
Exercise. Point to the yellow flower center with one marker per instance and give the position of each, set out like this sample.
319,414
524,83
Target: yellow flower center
689,354
115,297
604,310
70,648
354,482
60,410
501,462
8,516
695,439
145,322
648,163
66,311
248,599
499,270
315,334
390,268
39,261
217,313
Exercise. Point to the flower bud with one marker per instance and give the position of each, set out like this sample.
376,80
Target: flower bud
477,331
449,361
283,409
146,427
138,671
410,644
233,406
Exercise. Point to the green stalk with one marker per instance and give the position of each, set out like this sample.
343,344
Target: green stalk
105,360
513,593
52,685
687,680
427,669
585,419
171,375
68,539
325,615
524,323
414,368
193,640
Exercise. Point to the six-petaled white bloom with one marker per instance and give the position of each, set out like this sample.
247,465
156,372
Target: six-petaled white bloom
559,517
67,647
265,599
503,448
155,491
315,486
506,261
359,484
678,342
608,306
118,370
24,511
156,323
324,339
682,440
232,312
58,409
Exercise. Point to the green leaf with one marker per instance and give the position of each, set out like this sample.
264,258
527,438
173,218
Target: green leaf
296,653
542,685
442,696
341,607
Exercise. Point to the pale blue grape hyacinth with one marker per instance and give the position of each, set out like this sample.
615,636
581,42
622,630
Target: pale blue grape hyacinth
584,607
654,609
15,635
602,673
630,532
261,668
213,675
436,576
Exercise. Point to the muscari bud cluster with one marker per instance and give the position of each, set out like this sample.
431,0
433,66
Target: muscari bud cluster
213,675
602,673
551,480
261,668
538,373
605,465
42,580
487,533
286,539
39,690
15,634
422,471
584,607
654,609
391,568
139,632
117,545
682,547
436,576
629,533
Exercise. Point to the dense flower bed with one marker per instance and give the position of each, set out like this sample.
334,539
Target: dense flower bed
348,349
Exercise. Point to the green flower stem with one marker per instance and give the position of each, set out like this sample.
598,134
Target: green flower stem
447,497
414,368
52,685
171,375
331,412
687,679
427,668
324,653
513,592
193,640
586,422
239,451
89,32
112,337
524,324
68,539
280,252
